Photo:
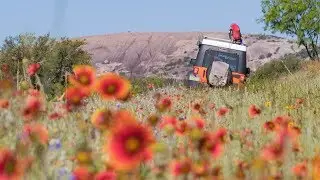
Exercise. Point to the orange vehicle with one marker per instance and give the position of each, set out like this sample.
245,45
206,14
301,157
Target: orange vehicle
212,50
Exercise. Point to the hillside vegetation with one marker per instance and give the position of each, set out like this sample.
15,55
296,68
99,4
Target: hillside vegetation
270,131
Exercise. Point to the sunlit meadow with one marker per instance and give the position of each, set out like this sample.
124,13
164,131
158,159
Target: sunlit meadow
99,130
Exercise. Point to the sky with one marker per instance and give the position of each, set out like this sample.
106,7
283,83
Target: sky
74,18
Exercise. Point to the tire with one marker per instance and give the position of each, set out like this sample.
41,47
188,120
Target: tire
190,83
229,80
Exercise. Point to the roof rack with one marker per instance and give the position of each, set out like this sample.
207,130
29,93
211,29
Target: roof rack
217,39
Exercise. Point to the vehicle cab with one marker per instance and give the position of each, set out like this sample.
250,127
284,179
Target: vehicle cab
213,49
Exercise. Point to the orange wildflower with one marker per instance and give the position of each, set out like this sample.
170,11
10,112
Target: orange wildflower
36,133
112,86
300,169
220,135
105,175
129,145
222,111
153,119
316,167
269,126
82,173
199,122
54,116
253,111
196,107
10,166
84,76
212,106
212,144
122,117
181,167
4,103
276,150
200,169
101,118
169,123
74,96
84,157
164,104
182,127
32,108
34,92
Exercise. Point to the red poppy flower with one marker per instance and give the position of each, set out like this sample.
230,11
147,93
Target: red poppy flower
84,76
33,68
111,86
253,111
128,145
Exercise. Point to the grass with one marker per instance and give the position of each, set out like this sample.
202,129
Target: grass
274,100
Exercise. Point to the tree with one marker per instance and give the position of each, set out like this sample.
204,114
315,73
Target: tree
296,18
57,57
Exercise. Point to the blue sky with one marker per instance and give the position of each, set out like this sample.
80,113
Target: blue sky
75,18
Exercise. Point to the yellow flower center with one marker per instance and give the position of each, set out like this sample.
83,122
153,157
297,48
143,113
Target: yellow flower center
132,144
9,167
111,89
83,157
76,99
84,79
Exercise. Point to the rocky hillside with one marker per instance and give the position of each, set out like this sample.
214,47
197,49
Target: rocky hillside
168,54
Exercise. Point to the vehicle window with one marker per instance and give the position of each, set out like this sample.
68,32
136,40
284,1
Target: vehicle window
213,55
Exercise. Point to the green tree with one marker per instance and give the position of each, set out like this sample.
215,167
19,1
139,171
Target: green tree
297,18
57,57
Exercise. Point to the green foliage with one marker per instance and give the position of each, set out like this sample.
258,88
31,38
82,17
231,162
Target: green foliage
300,18
57,57
272,71
142,85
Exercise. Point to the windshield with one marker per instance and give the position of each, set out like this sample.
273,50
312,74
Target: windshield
230,58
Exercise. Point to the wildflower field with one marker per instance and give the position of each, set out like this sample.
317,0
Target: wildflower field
99,130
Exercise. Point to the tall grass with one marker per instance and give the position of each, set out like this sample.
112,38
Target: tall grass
274,99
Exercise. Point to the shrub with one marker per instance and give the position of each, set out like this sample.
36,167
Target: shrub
56,58
273,70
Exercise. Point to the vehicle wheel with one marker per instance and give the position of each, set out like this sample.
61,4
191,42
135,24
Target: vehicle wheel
191,83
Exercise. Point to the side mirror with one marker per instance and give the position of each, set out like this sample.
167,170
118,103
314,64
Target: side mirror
248,71
193,61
